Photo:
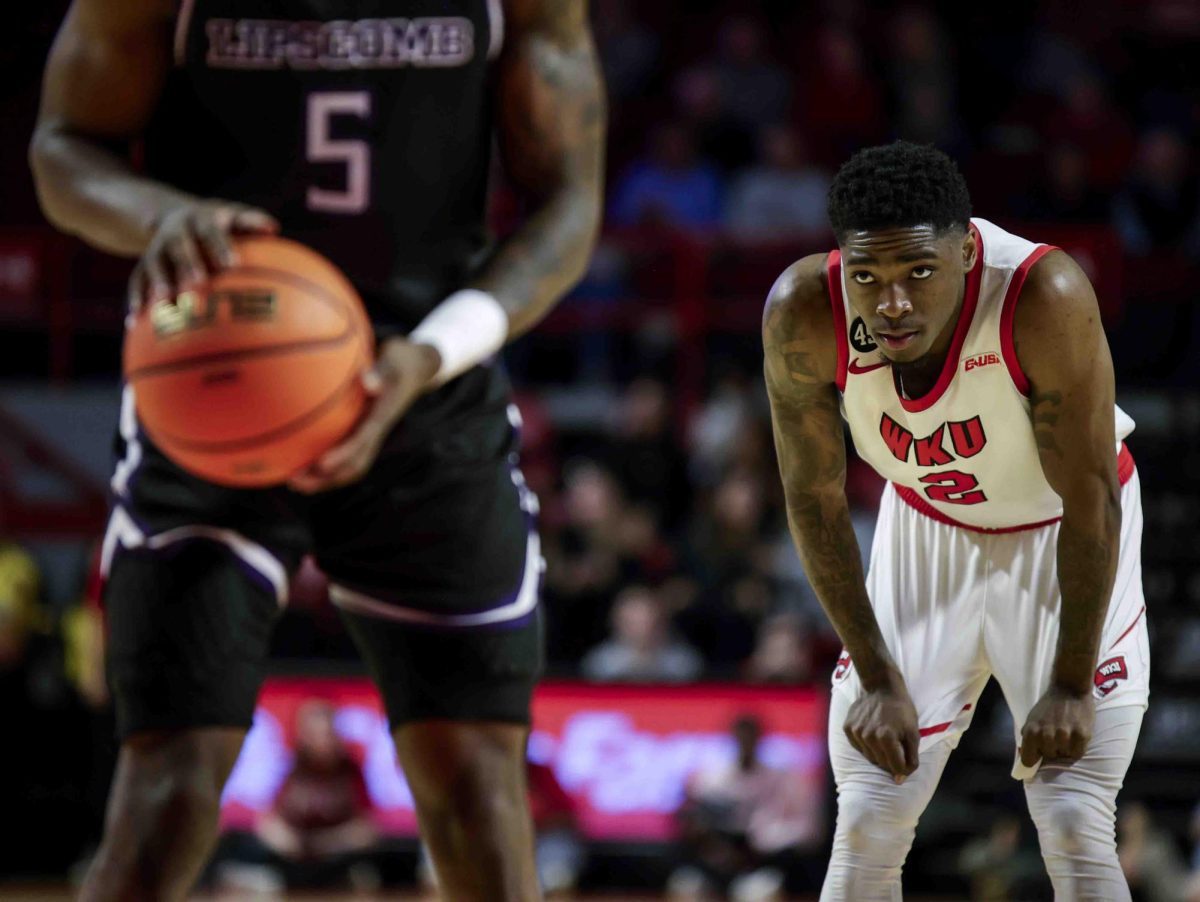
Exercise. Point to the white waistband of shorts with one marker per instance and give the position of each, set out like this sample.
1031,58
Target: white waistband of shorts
124,532
522,604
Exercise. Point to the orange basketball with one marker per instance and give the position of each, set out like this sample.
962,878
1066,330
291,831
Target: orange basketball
247,379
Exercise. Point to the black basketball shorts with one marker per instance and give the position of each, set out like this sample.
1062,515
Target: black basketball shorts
433,558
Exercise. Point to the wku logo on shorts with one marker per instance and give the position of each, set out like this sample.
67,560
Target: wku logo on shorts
988,359
842,670
1109,673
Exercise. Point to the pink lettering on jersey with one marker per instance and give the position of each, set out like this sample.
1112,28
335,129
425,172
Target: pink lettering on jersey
967,436
930,452
896,437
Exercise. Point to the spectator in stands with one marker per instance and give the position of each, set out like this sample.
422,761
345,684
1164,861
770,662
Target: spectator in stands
1159,208
783,653
842,108
1152,864
628,49
641,648
743,825
319,830
756,90
727,556
727,414
43,775
1090,120
671,186
700,103
643,451
999,867
922,80
783,194
1065,192
584,568
726,540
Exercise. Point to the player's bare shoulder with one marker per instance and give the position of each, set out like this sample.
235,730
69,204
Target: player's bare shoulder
798,327
1056,324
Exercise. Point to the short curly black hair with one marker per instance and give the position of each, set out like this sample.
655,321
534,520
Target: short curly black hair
896,185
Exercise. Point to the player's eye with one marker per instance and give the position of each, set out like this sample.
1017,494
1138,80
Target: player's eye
862,278
922,272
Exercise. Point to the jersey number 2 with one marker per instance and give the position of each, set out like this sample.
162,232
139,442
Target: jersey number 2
323,106
953,487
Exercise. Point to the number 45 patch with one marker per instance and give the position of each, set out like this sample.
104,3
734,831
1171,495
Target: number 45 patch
860,337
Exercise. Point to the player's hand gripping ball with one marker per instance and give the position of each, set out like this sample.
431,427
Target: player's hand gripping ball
252,368
190,245
402,374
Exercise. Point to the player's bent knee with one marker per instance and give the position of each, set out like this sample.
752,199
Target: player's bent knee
1071,825
869,831
472,795
163,814
465,775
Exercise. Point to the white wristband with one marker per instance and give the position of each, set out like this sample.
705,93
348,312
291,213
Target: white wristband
466,328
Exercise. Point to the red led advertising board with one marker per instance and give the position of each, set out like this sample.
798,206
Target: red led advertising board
623,753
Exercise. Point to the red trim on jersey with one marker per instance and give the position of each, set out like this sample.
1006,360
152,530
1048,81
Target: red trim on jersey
921,506
1130,628
913,499
1008,312
965,317
833,274
1125,465
941,727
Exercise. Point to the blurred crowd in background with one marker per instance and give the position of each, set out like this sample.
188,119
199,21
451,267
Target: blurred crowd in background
646,433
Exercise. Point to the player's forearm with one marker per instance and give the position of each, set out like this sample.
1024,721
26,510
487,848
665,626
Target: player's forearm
87,190
1088,545
551,133
824,536
545,258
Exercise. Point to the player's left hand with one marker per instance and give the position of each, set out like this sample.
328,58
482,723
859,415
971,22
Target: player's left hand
402,372
1059,727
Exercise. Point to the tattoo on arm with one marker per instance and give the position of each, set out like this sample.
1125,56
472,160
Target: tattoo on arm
811,449
1044,410
552,131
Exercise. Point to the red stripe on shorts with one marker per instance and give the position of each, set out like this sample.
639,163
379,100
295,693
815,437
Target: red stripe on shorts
941,727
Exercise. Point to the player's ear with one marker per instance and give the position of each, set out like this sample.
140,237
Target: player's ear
970,250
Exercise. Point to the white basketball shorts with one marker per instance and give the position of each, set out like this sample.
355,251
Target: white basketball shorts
957,606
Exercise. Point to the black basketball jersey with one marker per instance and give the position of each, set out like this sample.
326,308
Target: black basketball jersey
364,126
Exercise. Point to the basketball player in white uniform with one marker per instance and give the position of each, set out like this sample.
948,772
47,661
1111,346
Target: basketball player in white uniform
973,370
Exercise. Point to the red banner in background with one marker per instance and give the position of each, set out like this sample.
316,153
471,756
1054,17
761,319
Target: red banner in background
623,753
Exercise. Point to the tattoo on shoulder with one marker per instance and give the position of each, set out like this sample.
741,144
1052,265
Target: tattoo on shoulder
783,342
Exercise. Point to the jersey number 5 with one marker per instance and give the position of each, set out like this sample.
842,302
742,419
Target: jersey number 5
323,106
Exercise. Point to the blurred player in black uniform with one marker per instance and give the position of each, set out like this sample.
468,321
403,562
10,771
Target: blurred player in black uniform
364,129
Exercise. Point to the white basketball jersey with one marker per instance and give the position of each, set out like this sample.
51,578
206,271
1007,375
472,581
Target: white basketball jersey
964,453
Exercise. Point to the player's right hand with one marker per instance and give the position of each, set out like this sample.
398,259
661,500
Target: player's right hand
190,244
882,726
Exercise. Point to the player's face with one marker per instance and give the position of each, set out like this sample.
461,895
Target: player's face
907,285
